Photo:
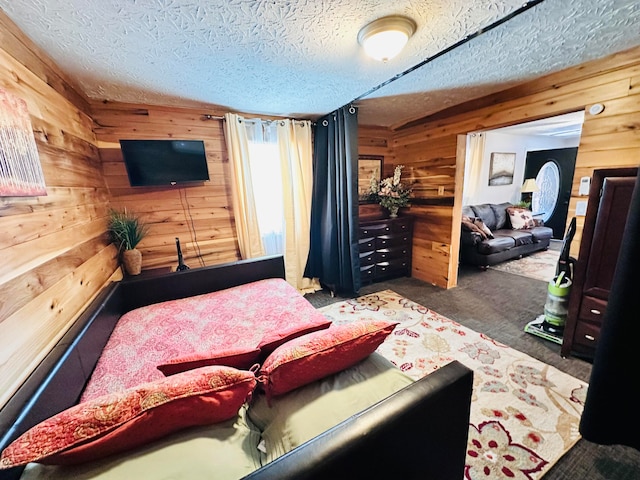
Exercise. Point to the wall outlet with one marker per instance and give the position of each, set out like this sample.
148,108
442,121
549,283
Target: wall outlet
581,208
441,190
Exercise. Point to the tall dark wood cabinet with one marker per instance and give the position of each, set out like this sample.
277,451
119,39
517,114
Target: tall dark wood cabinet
385,248
604,223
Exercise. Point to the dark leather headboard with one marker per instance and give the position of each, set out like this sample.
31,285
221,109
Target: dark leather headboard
58,381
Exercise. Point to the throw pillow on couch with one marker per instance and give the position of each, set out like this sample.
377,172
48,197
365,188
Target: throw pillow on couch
520,218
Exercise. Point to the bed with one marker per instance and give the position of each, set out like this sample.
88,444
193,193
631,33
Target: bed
413,430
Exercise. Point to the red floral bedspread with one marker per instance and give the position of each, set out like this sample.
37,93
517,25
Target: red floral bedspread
232,318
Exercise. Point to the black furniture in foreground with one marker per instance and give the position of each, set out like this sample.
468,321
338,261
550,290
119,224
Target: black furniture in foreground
424,426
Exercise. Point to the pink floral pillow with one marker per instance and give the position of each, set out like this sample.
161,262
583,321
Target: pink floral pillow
316,355
272,340
241,358
520,218
118,422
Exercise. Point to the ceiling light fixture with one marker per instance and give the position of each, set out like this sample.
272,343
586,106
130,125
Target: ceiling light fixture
385,37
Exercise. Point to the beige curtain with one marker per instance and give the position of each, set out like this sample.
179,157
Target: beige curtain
244,205
473,168
296,157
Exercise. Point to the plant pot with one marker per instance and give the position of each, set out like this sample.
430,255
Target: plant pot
132,261
393,212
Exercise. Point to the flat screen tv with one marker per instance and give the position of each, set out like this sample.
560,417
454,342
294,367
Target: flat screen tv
164,162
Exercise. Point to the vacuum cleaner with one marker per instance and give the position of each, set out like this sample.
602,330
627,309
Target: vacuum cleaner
550,325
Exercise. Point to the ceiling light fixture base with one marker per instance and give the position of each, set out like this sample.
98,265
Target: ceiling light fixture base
385,37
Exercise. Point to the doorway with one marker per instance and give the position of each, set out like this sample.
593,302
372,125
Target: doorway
553,171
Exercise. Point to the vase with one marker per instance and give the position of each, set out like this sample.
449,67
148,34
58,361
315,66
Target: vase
132,261
393,212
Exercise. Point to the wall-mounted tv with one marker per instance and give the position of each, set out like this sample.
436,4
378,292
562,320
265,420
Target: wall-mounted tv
164,162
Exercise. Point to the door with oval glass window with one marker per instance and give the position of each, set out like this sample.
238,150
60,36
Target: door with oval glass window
553,171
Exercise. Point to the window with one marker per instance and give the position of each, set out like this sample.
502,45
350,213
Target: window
264,159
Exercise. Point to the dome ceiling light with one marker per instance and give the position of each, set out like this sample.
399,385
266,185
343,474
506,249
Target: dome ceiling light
385,37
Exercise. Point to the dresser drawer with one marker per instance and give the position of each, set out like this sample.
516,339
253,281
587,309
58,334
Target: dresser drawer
367,273
387,254
368,258
392,267
402,225
592,309
388,241
586,334
375,230
367,244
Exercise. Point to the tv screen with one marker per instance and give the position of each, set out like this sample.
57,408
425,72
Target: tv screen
164,162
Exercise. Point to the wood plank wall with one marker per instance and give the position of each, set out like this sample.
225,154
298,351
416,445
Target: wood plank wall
611,139
200,215
55,257
374,140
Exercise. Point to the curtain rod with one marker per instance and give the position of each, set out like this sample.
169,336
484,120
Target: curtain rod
207,116
515,13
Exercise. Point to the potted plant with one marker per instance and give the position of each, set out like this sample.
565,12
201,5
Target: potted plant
126,231
390,192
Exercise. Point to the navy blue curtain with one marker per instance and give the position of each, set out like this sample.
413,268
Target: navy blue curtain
334,253
610,413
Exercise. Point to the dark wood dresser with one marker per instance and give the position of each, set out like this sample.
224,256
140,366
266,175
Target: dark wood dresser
385,248
604,223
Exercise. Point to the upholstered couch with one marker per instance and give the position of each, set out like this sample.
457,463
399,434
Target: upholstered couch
503,242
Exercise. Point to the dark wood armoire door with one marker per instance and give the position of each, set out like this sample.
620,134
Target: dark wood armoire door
604,224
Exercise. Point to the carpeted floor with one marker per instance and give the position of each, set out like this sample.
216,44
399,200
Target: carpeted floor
499,304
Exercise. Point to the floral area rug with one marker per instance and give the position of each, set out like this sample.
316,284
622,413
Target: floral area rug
524,413
539,265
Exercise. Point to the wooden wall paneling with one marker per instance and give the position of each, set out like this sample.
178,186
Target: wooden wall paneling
32,331
200,215
55,254
35,60
570,76
565,99
26,287
374,140
456,213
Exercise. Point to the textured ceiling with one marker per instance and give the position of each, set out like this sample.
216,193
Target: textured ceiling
301,57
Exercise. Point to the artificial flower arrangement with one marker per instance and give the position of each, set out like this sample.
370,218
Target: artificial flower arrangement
390,192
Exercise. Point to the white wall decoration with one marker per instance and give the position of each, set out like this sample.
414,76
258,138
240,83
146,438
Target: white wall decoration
20,170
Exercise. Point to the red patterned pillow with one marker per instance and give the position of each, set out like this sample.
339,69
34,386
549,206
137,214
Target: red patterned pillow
239,358
521,218
272,340
118,422
316,355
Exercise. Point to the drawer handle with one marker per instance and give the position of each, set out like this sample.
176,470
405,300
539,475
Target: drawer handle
595,312
382,269
590,337
387,229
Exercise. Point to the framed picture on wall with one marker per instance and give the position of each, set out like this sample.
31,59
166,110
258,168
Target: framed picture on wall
501,168
369,166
